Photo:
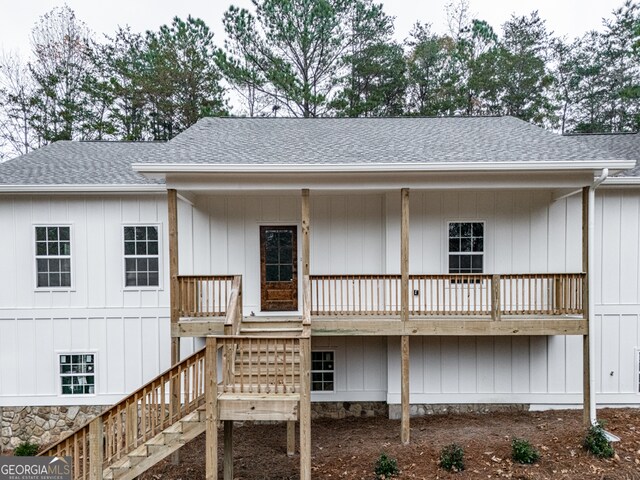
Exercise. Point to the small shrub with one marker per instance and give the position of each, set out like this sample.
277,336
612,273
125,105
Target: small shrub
386,467
597,443
26,449
523,452
452,458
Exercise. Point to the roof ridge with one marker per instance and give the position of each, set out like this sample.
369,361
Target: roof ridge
594,134
399,117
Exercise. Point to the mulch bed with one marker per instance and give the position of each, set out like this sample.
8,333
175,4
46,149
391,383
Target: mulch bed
348,448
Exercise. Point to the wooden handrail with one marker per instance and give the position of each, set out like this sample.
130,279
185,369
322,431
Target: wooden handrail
135,419
233,317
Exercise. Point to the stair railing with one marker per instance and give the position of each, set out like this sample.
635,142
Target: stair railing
134,420
232,324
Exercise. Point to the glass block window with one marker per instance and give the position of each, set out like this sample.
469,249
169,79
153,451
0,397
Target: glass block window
53,257
77,374
466,247
322,371
141,253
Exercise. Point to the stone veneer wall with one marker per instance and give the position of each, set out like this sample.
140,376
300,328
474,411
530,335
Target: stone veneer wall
420,410
348,409
41,425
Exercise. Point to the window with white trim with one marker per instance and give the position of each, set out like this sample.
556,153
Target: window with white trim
466,247
141,256
53,256
322,371
77,374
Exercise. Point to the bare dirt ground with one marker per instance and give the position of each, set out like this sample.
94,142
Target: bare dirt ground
348,449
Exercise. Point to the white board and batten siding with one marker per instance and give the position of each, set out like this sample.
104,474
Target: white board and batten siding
126,328
527,232
347,236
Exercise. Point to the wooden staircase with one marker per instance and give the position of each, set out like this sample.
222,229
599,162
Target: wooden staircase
159,447
265,376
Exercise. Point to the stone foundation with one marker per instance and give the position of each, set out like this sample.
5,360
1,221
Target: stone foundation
41,425
420,410
348,409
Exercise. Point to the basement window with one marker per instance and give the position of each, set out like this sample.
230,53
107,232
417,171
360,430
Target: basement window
322,371
466,247
77,374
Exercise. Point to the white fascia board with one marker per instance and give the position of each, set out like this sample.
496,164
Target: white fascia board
90,188
631,181
160,168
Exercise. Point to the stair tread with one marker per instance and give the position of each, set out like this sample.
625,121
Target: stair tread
173,429
259,319
140,451
269,329
259,396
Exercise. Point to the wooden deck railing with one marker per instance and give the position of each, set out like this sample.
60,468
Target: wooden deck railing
542,294
260,364
204,295
545,294
355,294
135,419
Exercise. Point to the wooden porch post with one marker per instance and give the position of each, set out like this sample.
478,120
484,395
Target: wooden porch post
228,450
586,364
172,201
404,315
305,350
305,231
96,449
172,205
211,406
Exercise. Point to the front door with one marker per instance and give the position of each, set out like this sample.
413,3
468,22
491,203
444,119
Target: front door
278,269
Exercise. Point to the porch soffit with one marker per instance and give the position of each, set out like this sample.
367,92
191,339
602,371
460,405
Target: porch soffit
381,181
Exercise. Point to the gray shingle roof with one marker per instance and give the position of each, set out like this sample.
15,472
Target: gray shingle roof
290,141
80,163
329,141
626,146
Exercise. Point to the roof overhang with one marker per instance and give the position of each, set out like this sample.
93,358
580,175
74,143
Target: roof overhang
158,170
90,188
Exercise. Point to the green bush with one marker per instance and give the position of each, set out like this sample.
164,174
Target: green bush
26,449
386,467
523,452
597,443
452,458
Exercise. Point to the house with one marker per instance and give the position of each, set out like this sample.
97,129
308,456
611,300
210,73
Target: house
401,263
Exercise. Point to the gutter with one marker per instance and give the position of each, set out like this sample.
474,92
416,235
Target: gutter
591,284
164,168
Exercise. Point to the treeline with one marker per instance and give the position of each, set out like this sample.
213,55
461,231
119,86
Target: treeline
312,58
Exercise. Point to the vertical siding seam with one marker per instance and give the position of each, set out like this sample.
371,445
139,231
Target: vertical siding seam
619,260
637,300
602,248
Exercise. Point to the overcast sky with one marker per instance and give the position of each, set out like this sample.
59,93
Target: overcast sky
564,17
